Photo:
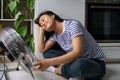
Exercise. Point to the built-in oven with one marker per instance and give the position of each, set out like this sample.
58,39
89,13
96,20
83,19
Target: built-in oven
103,20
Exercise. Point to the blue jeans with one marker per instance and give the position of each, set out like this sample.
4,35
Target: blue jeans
90,69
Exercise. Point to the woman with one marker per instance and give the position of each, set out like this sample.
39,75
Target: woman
81,56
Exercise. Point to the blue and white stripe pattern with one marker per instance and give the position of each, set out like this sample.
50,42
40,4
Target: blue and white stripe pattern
73,28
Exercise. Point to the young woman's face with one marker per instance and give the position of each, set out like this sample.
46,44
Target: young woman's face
47,22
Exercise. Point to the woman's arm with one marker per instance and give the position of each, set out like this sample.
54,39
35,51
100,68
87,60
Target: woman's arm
68,57
77,44
42,44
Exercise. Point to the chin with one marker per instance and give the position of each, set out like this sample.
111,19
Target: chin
48,30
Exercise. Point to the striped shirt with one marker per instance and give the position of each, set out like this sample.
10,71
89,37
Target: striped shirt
73,28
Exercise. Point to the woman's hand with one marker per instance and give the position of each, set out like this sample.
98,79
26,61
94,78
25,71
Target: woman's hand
42,30
43,64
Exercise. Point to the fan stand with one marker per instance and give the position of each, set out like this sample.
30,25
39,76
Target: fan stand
5,67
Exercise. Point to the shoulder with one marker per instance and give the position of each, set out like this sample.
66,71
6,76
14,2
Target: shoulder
73,27
71,22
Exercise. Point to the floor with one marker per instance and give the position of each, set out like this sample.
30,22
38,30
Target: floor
113,73
13,74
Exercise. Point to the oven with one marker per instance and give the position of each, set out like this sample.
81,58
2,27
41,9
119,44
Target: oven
103,20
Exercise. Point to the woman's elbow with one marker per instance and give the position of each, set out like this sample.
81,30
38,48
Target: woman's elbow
79,53
41,50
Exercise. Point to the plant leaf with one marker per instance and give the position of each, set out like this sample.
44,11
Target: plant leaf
32,14
30,4
29,38
16,10
22,31
12,5
30,41
18,1
32,46
18,21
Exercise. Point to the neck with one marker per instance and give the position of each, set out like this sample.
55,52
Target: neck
59,27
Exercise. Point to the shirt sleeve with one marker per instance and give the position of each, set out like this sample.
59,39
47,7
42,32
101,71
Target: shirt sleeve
75,29
53,38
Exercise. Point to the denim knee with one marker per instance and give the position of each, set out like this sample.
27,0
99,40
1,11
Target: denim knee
92,69
82,67
72,69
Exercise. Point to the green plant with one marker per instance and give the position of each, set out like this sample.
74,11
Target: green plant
14,8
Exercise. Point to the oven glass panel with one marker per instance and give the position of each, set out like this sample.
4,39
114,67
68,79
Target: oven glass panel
104,22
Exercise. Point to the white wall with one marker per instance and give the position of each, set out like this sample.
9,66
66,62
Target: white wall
69,9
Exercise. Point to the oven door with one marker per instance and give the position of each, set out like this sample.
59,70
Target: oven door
103,22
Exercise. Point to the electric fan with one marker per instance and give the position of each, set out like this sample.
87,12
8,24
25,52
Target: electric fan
17,49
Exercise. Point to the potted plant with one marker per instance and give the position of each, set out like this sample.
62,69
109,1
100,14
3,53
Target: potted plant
14,8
